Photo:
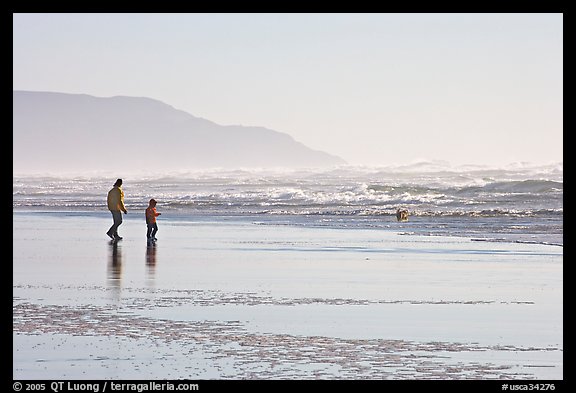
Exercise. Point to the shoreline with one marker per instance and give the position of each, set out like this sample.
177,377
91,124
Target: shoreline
300,220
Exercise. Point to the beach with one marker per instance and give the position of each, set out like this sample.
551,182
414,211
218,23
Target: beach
222,201
246,298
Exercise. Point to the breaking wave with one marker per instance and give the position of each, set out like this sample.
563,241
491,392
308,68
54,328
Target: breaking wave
427,190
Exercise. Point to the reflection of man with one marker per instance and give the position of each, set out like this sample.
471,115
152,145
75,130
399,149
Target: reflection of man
116,206
115,268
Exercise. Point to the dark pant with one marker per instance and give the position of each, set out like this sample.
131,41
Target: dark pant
152,229
117,217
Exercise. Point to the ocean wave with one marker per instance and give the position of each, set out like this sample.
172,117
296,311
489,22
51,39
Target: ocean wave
431,188
516,204
529,186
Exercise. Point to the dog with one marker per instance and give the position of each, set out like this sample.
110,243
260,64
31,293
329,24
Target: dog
402,214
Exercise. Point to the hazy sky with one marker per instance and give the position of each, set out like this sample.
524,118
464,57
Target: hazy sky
371,88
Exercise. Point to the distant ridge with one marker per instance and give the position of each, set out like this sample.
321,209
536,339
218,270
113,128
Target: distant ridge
77,132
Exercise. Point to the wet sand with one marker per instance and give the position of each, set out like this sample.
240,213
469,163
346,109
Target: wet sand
241,300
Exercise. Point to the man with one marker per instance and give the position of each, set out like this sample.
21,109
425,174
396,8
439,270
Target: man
116,206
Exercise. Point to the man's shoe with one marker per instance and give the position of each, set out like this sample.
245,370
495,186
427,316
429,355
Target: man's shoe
111,236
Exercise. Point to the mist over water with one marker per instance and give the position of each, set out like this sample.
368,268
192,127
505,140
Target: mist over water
519,202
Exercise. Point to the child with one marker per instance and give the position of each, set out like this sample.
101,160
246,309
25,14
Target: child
151,215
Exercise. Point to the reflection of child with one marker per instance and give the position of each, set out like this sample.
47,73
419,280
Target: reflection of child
151,215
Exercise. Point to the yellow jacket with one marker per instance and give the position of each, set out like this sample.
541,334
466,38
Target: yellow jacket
116,200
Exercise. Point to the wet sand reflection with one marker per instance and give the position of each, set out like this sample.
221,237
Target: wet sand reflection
115,265
151,261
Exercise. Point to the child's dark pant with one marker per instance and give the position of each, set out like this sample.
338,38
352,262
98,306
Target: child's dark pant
152,229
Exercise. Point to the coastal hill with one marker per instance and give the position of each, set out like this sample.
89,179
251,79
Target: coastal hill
57,132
